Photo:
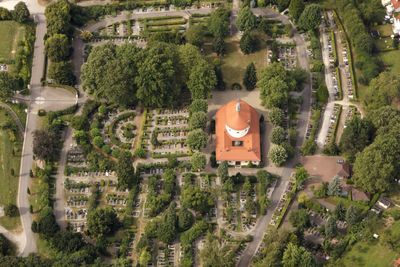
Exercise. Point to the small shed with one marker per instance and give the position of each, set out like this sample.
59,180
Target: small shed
384,203
358,195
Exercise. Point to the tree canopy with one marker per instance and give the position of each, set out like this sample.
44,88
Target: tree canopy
58,17
58,47
310,18
125,171
197,139
296,7
8,85
21,12
101,222
246,20
202,80
250,77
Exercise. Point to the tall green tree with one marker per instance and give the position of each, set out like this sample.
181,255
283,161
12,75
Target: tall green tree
250,77
223,170
198,105
159,81
61,73
248,43
219,45
278,155
297,256
198,161
58,47
101,222
8,85
357,135
246,20
310,19
198,120
197,139
218,23
58,17
296,7
278,135
167,229
215,253
202,80
125,171
21,12
195,35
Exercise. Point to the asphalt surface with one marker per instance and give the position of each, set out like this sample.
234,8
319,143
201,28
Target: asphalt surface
284,172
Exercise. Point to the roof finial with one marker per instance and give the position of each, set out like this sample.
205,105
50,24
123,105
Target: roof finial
238,105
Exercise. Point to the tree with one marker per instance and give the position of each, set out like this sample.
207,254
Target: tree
197,139
340,212
144,258
330,227
301,176
202,80
5,14
218,23
198,161
45,145
110,72
296,7
223,170
247,43
185,219
250,77
278,155
297,256
278,135
195,35
58,47
276,116
383,90
21,13
189,56
5,246
198,120
334,186
125,171
46,223
391,239
101,222
218,44
11,210
246,20
198,105
358,134
216,254
86,36
158,79
310,19
167,231
58,17
8,85
353,215
194,198
61,73
376,167
300,218
274,93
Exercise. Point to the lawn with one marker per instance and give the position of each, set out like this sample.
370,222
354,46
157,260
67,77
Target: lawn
371,253
11,33
391,60
10,153
234,62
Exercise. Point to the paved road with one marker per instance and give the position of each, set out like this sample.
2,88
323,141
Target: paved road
285,172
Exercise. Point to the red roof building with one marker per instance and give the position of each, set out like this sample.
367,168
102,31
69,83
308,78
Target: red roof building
238,134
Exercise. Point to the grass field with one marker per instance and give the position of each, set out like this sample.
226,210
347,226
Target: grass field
234,62
370,254
10,153
11,33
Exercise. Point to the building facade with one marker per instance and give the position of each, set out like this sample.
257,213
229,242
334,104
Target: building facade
238,134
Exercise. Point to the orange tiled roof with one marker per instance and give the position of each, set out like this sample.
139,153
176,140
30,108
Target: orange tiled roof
238,119
396,4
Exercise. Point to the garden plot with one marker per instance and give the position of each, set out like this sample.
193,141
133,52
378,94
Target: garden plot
199,19
163,24
120,129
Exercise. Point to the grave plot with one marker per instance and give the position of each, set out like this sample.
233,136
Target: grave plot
120,130
85,188
284,53
351,112
165,133
337,109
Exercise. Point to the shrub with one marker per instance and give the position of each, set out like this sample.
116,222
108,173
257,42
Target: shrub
11,210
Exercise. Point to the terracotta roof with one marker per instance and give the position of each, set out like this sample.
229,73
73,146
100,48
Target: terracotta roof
396,4
238,120
345,170
238,114
396,263
358,195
